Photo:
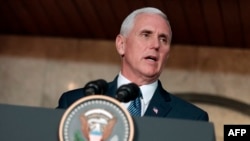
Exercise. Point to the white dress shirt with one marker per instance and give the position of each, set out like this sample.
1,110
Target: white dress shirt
146,90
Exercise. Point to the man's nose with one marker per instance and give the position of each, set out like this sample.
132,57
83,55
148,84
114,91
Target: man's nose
155,43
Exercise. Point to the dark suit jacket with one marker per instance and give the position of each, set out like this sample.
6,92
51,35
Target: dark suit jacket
162,104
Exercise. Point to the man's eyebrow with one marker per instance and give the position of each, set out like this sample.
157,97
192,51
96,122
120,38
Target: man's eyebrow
146,31
164,35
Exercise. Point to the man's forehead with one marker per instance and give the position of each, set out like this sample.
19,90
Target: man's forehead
148,28
145,19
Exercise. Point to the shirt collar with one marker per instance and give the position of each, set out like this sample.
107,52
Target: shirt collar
121,80
146,90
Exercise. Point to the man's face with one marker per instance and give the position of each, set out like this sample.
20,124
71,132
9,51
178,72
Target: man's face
146,47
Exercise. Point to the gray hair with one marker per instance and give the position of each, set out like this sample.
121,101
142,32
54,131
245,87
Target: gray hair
128,22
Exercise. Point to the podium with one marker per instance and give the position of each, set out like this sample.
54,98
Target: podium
41,124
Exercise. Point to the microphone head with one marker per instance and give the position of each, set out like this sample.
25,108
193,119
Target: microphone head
127,92
96,87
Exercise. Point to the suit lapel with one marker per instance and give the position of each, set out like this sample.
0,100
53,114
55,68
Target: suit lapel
159,105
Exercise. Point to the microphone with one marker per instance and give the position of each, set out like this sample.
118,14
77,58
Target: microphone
127,92
96,87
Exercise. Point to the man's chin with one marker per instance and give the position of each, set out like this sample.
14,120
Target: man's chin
152,76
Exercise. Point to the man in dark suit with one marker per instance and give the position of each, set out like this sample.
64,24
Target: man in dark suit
144,46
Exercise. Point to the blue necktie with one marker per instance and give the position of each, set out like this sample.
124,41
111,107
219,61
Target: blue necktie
135,107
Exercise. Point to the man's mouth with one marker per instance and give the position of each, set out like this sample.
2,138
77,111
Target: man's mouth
151,58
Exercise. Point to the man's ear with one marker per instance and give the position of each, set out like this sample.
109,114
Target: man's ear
120,44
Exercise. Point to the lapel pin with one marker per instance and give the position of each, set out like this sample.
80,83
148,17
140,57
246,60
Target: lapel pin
155,110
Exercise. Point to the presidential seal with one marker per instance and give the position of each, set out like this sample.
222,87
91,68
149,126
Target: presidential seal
96,118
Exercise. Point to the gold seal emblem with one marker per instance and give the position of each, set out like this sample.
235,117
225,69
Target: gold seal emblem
96,118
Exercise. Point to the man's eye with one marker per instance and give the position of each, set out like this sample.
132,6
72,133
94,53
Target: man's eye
145,34
163,40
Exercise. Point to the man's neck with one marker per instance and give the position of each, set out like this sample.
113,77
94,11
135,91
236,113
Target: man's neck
139,80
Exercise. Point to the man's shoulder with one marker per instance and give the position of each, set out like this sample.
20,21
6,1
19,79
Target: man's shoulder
73,95
186,107
176,100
